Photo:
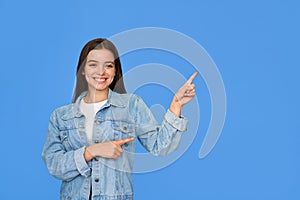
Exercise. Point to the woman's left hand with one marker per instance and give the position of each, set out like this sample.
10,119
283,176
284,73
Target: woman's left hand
184,95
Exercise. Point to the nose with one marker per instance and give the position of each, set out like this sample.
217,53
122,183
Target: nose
100,69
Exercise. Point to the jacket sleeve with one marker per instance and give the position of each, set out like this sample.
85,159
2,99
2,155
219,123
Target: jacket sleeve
158,139
62,164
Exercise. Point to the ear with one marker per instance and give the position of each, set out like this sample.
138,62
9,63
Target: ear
82,72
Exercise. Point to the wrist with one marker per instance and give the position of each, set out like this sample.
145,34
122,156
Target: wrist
88,155
175,107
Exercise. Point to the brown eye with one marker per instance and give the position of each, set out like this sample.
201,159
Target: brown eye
109,66
92,65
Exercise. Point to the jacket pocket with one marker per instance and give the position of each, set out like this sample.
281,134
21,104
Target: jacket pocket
122,130
64,139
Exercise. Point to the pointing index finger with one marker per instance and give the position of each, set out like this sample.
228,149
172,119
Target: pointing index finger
121,142
192,78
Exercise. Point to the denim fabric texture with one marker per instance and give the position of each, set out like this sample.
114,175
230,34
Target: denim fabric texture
123,116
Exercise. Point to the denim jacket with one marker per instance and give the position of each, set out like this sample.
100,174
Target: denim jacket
122,116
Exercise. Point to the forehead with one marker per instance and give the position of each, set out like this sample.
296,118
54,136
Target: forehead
101,55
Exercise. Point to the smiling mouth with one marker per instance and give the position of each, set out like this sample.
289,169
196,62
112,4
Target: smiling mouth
100,80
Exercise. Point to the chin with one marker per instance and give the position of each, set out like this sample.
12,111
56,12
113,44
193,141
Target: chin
101,88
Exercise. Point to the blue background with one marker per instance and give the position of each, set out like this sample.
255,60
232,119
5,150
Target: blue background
255,45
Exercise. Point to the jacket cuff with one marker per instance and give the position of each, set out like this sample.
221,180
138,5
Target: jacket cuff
180,123
81,165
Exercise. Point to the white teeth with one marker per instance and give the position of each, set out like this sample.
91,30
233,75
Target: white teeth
100,79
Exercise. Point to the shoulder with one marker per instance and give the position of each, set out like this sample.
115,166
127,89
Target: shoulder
63,111
64,108
123,99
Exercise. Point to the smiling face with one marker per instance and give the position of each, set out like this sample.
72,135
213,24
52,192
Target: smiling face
99,70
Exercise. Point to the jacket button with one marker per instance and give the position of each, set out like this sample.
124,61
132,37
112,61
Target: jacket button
125,128
97,121
96,141
97,180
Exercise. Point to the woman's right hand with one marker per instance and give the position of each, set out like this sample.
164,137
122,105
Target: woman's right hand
111,149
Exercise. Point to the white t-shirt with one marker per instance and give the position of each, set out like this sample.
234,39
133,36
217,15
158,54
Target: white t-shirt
89,110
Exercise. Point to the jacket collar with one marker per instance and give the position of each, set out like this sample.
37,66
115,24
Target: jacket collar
114,99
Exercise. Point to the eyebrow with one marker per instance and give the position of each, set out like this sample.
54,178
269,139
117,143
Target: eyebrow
92,61
98,61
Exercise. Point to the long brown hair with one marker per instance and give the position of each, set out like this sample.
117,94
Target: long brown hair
100,43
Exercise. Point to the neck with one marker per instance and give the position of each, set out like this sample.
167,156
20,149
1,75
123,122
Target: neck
96,96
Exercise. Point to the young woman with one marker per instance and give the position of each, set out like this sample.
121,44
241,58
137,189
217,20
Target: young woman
90,143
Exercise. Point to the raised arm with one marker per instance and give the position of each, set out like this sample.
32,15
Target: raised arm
184,95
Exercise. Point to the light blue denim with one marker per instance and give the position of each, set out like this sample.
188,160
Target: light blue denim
123,116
